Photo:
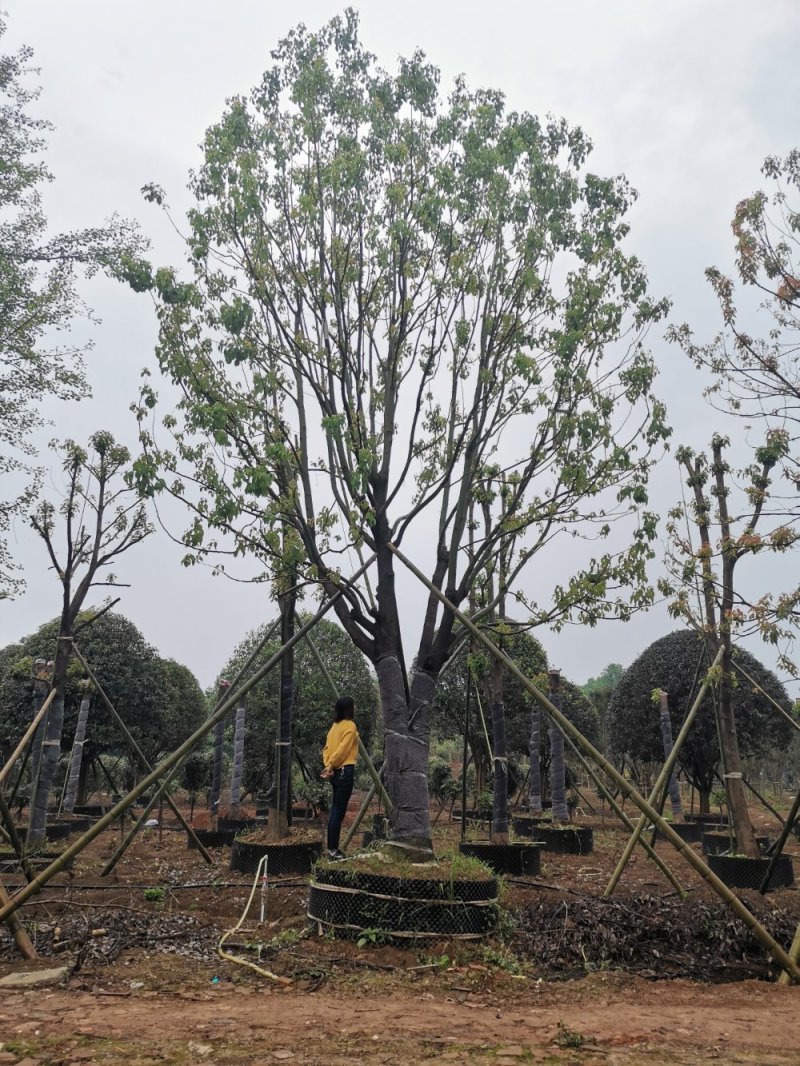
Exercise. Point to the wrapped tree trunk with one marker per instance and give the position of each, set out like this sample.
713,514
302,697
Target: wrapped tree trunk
405,767
76,759
51,748
216,771
666,739
499,833
535,789
42,673
238,760
558,789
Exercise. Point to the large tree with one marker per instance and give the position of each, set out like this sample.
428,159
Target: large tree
39,298
678,663
393,299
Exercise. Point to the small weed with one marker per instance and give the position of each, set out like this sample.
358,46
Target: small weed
503,960
372,936
154,895
566,1037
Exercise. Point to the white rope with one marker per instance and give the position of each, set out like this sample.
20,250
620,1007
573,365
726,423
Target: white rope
235,958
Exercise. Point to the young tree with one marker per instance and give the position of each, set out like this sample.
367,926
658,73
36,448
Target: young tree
39,297
756,370
728,530
102,520
394,299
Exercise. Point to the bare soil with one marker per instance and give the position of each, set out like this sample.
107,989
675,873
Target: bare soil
645,977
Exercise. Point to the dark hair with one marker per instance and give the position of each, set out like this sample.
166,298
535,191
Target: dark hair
343,708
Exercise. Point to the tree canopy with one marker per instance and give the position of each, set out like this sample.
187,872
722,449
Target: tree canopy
159,700
677,663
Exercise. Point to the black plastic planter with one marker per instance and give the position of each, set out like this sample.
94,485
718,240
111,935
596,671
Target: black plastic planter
720,843
707,819
236,825
565,839
740,871
349,902
289,857
690,832
62,830
91,810
472,816
515,858
212,838
525,825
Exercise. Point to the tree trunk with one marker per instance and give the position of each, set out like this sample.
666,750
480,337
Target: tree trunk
83,780
51,748
76,759
558,788
734,785
238,760
666,740
499,834
278,820
406,740
41,685
216,772
535,792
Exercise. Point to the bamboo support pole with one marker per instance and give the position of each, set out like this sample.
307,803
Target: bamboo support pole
13,836
362,810
615,807
158,796
763,936
763,800
662,781
362,751
23,941
740,669
138,752
168,763
15,754
777,847
794,955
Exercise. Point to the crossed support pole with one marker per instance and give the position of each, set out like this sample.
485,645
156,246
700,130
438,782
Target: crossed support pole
9,906
765,938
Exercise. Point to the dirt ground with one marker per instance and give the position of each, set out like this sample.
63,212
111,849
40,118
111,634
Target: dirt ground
569,978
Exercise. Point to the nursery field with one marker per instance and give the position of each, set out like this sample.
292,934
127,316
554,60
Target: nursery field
643,977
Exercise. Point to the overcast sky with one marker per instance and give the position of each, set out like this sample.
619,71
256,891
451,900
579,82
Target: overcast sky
685,98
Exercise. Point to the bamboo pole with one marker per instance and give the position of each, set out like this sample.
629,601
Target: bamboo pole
23,941
794,955
15,754
615,807
13,836
762,935
158,795
793,722
138,752
362,751
168,763
777,847
662,780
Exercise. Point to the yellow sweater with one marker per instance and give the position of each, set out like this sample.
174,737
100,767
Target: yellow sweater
341,747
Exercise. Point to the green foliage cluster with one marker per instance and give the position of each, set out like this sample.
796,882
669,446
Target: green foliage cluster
159,700
677,663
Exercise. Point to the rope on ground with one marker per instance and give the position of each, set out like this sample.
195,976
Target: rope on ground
235,959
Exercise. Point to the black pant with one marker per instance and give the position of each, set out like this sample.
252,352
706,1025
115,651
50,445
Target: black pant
342,782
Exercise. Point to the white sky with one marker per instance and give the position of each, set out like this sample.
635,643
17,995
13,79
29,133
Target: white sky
686,99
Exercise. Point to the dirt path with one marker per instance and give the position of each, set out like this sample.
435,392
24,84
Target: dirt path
603,1019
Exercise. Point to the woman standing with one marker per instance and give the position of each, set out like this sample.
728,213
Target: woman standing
339,757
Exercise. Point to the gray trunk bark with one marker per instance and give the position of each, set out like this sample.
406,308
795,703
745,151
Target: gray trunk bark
51,753
216,773
500,761
666,739
238,759
76,759
558,788
406,739
535,789
41,684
